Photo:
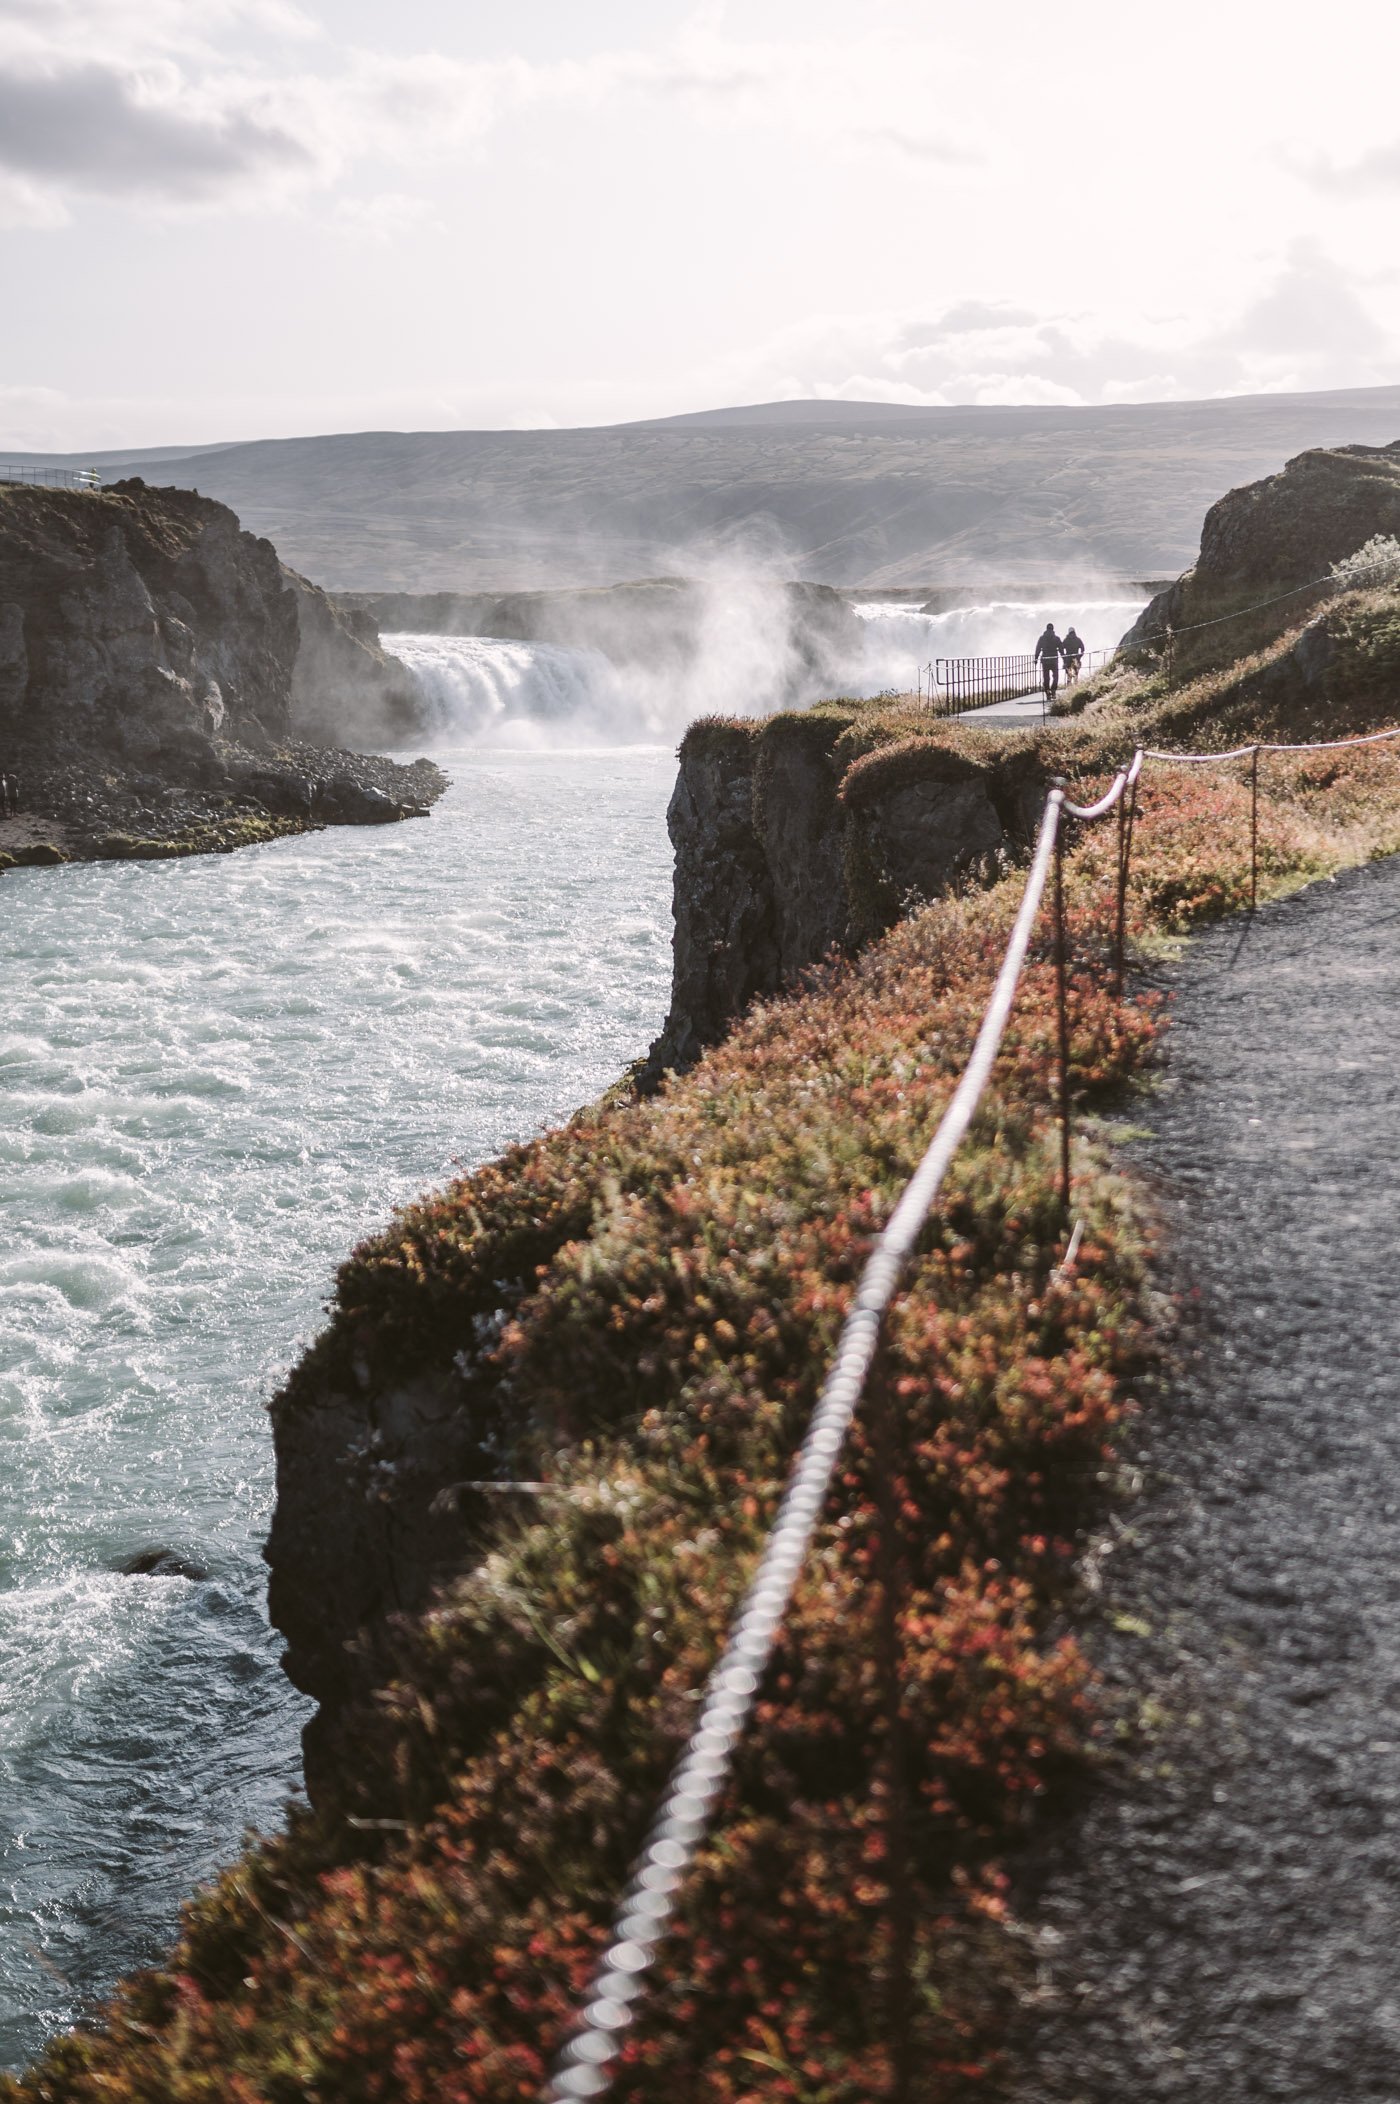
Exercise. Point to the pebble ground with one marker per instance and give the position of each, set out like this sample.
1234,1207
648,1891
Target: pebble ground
1221,1919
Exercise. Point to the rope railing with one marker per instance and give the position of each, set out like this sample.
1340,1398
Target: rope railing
1252,754
588,2062
669,1851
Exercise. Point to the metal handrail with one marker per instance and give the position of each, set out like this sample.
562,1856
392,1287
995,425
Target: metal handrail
53,478
955,686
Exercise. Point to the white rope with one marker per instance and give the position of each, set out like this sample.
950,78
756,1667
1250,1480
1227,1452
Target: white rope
1244,752
585,2069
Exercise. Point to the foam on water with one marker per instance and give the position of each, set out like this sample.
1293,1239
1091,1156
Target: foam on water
214,1077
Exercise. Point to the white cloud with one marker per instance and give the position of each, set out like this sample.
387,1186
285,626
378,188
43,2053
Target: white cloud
158,101
26,204
1377,169
1307,325
383,218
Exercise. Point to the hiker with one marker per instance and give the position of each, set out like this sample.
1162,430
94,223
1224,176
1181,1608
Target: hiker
1047,656
1072,651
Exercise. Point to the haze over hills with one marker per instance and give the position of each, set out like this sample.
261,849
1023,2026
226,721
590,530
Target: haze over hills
868,494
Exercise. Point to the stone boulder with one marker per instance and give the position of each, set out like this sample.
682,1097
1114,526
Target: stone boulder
1266,553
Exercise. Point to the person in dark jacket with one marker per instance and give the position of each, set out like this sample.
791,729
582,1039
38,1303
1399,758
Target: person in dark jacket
1072,651
1047,656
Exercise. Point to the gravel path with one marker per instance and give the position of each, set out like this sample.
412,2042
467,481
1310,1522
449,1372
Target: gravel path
1222,1920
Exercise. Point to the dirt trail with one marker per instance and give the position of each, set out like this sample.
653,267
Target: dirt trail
1222,1922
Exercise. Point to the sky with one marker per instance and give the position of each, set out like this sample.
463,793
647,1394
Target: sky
227,219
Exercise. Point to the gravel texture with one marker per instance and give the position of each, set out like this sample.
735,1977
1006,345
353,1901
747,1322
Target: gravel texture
1221,1919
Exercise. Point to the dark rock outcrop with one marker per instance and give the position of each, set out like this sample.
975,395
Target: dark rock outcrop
131,616
158,1562
159,674
787,849
346,688
1263,549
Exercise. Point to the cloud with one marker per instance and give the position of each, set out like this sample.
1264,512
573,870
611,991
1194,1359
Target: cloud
184,102
916,146
92,127
384,217
1306,326
1377,170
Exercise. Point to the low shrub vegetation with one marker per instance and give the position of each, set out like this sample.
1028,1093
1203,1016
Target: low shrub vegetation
690,1259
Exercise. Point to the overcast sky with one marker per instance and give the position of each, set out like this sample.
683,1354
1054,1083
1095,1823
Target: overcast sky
234,218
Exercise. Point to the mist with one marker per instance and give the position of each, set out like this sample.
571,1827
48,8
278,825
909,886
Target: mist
647,660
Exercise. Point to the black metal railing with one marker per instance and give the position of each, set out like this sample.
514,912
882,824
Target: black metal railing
951,686
52,478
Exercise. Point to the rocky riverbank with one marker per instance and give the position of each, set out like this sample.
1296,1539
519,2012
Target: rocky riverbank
70,804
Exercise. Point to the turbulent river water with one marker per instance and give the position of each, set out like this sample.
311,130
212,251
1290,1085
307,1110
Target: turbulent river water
214,1077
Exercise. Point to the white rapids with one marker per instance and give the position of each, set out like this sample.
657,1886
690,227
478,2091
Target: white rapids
215,1076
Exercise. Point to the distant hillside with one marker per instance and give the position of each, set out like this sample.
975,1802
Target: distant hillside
850,493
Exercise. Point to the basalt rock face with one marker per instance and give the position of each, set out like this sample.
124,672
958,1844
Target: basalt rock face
1271,541
130,616
166,685
372,1512
346,688
788,849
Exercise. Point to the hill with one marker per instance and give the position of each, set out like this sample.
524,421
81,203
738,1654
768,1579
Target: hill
850,493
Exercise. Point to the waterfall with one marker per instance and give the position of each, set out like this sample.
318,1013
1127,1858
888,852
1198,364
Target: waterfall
484,690
744,660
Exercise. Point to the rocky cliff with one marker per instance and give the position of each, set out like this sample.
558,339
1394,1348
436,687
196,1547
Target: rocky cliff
792,841
133,616
795,837
1263,548
346,688
161,674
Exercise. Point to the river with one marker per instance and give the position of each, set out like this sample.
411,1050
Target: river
215,1076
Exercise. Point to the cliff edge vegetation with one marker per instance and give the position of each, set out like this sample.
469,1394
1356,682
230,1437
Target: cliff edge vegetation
629,1317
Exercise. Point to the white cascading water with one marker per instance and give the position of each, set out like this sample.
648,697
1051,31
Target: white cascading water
487,690
900,637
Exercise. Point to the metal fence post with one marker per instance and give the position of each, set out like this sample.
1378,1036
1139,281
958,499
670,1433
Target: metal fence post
1062,1006
1127,812
1254,829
